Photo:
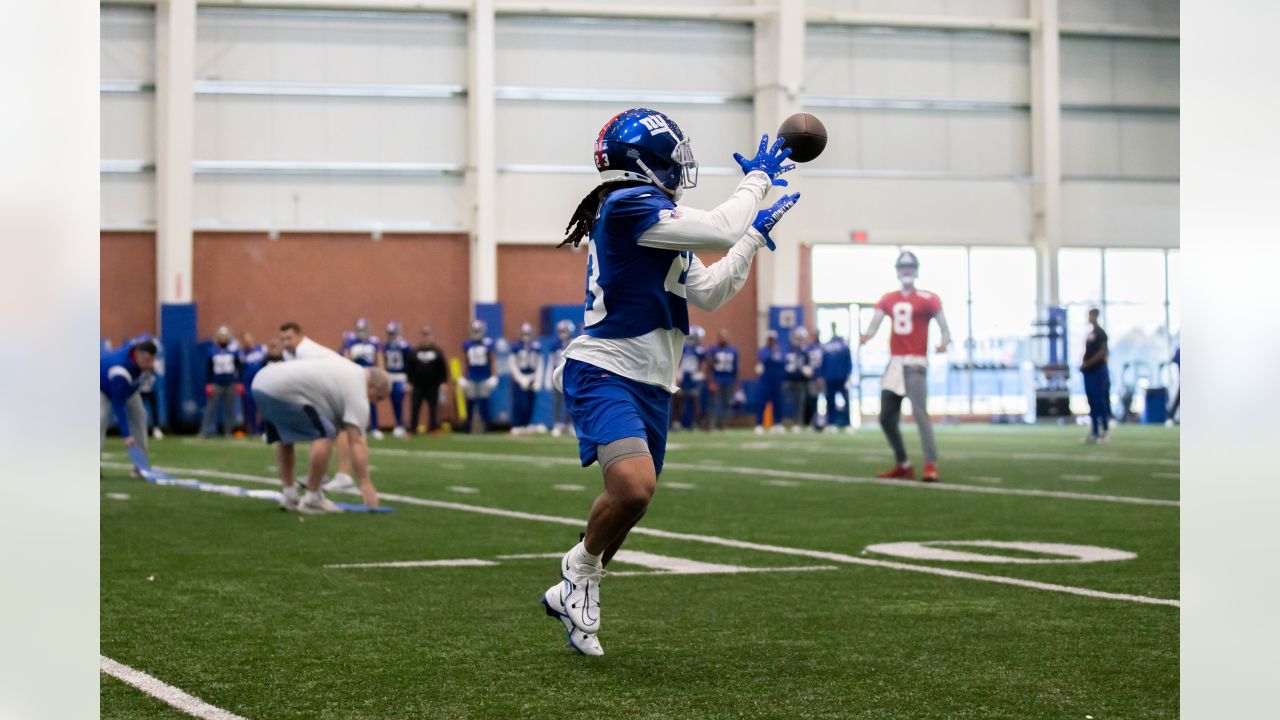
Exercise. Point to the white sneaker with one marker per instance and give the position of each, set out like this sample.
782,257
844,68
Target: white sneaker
1104,439
796,429
399,433
585,643
341,482
157,434
759,429
848,429
778,430
580,592
316,504
540,429
289,498
376,434
556,431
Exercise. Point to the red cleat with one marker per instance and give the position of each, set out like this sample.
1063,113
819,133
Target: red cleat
930,473
901,470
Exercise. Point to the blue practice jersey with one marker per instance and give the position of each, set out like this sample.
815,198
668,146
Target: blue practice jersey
837,361
527,354
633,290
119,377
251,361
224,366
813,358
691,363
396,356
774,363
363,352
724,364
478,354
796,362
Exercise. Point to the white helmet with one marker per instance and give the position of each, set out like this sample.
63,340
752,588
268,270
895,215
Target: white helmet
478,329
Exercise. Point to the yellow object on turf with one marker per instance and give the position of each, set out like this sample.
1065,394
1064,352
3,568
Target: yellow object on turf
455,369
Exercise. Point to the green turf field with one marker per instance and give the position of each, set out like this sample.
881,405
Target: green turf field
229,598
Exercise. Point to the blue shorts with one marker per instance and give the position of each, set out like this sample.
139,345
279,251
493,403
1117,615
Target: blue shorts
606,407
288,422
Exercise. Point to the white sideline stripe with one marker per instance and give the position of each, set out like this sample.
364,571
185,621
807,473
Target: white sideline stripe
168,694
781,483
727,542
462,562
547,461
797,568
463,489
569,487
1080,478
985,479
678,485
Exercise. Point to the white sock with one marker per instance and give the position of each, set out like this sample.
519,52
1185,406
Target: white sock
313,496
582,557
290,491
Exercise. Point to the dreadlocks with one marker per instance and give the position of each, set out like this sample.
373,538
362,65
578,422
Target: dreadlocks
580,223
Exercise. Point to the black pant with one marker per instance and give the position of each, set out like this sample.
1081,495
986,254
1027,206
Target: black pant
431,394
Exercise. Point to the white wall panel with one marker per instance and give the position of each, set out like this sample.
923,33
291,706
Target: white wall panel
969,8
304,129
614,54
127,126
563,133
127,46
316,203
1120,214
1151,13
1091,144
1128,72
997,142
128,200
934,65
912,211
325,47
1149,146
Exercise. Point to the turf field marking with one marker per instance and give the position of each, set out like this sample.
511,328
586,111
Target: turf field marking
727,542
1080,478
831,449
985,479
460,562
463,489
168,694
569,487
678,485
118,496
782,483
927,550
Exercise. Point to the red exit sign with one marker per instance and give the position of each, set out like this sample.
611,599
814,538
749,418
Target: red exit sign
859,236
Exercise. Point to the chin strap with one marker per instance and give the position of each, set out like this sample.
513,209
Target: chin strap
674,194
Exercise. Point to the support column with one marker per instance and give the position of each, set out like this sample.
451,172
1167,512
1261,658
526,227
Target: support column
482,172
175,123
1046,150
779,76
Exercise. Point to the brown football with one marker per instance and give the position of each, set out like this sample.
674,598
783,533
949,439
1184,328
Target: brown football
805,135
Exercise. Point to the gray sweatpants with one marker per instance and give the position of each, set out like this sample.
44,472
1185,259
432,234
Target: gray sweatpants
891,415
136,411
797,395
224,398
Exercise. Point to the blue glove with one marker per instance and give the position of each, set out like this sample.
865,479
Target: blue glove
768,160
766,219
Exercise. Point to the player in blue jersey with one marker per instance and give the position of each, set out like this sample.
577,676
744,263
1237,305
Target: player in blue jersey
480,377
693,376
837,368
525,364
223,384
642,274
253,356
120,375
566,331
396,352
363,349
771,372
724,378
795,383
813,362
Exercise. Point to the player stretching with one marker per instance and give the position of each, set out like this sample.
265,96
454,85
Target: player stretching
911,309
619,376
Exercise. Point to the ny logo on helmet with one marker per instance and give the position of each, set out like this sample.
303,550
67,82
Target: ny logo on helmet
656,124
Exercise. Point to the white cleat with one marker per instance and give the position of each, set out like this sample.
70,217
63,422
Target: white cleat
341,482
289,498
157,434
759,429
1104,439
399,433
584,643
580,591
848,429
778,430
376,434
317,504
556,431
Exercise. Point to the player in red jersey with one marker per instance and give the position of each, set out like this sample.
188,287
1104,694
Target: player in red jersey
910,310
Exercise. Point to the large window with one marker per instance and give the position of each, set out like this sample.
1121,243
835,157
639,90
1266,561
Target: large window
989,299
1137,293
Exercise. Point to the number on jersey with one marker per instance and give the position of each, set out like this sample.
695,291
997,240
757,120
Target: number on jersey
902,320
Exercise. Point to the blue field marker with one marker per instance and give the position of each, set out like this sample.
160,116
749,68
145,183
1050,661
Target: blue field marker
138,457
348,507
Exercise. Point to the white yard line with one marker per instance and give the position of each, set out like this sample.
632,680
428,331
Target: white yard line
1080,478
725,542
569,487
548,461
985,479
463,489
462,562
168,694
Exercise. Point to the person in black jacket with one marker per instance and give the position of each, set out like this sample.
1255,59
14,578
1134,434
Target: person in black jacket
428,370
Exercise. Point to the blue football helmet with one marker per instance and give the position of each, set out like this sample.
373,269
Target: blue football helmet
646,145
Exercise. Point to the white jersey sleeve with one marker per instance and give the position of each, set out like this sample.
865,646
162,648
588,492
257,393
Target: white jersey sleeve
710,287
686,228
